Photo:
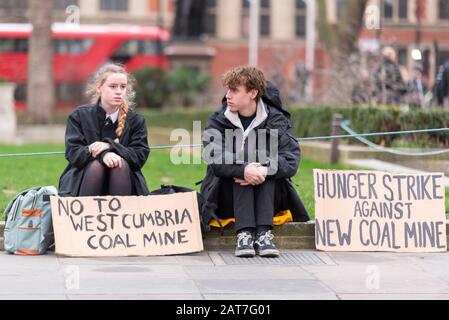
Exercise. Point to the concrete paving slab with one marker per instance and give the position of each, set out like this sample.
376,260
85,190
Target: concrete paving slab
28,283
200,259
42,261
398,277
135,297
384,296
157,260
262,286
436,265
305,296
93,285
247,272
348,275
161,271
132,280
348,258
33,297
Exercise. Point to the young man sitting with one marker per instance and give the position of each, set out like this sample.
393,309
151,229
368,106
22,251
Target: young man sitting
251,154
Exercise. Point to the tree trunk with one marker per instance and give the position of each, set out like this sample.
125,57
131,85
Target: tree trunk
40,89
341,44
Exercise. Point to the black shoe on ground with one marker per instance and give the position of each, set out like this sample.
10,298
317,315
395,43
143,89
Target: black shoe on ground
245,245
264,245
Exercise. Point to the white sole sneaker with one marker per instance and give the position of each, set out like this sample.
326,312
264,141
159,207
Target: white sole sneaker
268,253
245,253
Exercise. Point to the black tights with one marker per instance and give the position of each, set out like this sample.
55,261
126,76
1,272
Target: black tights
99,180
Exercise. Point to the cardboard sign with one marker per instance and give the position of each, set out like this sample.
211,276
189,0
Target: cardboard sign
379,211
127,226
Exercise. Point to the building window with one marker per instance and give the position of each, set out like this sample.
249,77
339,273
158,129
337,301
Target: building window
14,4
300,19
403,57
444,9
341,7
388,9
210,21
395,9
264,20
114,5
63,4
403,9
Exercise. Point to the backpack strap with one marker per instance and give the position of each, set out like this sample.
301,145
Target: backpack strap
15,203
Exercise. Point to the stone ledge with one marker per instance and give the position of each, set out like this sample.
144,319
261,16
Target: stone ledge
294,235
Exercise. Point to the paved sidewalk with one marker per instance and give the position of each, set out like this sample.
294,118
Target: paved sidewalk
217,275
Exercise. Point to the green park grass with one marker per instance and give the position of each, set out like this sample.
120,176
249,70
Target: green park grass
20,173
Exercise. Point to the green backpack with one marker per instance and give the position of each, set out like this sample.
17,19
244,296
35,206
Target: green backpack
29,228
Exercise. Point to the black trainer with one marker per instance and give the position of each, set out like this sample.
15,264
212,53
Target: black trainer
245,245
264,245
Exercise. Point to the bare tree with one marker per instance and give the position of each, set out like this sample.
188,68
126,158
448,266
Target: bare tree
341,43
40,90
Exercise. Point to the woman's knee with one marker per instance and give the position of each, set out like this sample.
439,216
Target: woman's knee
124,167
125,164
96,166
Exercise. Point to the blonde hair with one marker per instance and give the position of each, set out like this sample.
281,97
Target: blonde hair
128,100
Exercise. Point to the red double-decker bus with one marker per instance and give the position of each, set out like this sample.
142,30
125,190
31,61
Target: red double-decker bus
79,50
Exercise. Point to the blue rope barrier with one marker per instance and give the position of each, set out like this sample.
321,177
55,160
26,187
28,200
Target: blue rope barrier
344,126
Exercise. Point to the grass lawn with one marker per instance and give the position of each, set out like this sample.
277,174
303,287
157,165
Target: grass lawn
19,173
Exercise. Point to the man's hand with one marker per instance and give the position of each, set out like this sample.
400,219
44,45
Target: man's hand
242,182
112,160
98,147
254,174
262,170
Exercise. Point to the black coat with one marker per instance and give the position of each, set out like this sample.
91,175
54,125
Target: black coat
286,196
83,128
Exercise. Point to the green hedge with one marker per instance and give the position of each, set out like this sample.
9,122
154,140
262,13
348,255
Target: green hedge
313,121
316,121
177,118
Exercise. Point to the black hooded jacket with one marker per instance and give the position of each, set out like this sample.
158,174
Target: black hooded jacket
288,158
84,127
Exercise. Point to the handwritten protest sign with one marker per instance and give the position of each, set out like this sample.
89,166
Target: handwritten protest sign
126,226
379,211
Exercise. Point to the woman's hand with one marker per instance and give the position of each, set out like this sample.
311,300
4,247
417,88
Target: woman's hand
112,160
98,147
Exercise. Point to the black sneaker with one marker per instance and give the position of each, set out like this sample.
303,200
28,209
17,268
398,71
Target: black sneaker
245,245
264,245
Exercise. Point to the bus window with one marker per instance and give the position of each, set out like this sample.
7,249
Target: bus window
20,92
126,51
69,92
148,47
72,46
13,45
132,48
